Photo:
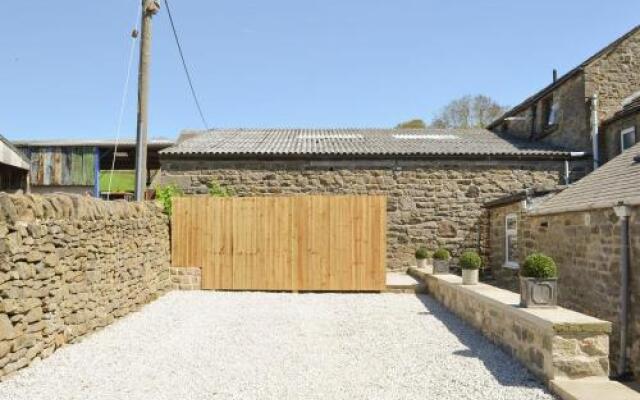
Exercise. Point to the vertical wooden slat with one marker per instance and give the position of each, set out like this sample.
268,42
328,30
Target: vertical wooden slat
282,243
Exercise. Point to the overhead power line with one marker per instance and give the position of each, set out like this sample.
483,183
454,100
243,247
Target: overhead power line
184,65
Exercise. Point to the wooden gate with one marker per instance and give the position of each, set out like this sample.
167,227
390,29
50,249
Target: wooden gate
333,243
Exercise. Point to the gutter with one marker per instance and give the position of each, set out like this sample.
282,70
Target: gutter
630,201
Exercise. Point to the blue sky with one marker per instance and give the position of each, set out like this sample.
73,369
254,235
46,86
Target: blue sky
286,63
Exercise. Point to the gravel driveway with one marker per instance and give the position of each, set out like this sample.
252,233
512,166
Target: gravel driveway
221,345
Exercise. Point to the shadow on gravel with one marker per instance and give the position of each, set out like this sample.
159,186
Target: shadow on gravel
507,370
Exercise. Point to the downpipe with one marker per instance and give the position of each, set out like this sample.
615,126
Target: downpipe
623,212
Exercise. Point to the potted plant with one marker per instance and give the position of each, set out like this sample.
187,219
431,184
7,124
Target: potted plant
422,256
538,281
441,261
470,263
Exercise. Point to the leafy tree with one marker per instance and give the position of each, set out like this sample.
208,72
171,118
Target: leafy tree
468,112
412,124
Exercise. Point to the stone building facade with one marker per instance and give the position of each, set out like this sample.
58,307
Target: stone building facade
71,265
561,113
432,203
586,248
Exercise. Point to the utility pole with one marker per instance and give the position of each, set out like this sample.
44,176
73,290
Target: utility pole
149,8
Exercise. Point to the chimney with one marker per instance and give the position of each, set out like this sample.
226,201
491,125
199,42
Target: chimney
555,75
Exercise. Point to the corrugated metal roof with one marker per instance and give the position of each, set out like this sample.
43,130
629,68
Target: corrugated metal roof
356,142
618,181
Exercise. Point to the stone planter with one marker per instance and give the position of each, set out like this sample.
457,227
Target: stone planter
421,263
440,266
470,276
536,292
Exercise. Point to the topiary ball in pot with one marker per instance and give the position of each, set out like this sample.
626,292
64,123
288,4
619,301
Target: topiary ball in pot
538,281
422,255
441,261
470,263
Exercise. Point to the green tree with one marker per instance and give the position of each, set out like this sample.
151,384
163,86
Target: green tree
412,124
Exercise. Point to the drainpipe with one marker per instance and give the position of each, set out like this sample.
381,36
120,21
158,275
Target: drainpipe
623,212
567,173
594,131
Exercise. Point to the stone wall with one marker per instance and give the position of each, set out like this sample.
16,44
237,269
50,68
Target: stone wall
552,343
614,76
586,248
71,265
432,203
186,278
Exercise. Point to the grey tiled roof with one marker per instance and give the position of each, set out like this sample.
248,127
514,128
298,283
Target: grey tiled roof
616,181
355,142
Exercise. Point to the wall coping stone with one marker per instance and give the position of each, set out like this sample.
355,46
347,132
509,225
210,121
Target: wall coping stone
558,320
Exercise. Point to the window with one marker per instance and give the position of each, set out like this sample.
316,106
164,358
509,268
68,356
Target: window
550,112
627,138
511,241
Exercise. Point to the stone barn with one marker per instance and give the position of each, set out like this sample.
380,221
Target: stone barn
436,180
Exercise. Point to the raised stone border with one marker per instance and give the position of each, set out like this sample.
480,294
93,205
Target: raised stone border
186,278
551,343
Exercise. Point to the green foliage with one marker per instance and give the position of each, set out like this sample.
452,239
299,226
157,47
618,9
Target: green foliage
412,124
121,182
441,254
538,265
217,190
422,253
165,195
470,260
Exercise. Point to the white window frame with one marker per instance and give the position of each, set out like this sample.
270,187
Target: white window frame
626,131
507,232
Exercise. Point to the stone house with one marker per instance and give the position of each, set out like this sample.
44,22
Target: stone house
583,227
436,180
562,113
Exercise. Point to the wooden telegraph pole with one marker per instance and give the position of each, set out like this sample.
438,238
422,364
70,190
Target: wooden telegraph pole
149,8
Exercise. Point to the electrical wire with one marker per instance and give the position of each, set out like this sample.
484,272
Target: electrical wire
184,65
125,93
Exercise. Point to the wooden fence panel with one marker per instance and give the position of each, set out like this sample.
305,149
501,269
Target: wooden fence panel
312,243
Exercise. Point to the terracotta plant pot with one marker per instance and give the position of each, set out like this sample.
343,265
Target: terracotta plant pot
470,276
538,293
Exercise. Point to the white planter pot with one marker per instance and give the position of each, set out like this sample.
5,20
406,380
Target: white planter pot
421,263
469,276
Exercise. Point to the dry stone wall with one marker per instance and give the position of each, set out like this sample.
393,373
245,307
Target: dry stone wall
70,265
432,203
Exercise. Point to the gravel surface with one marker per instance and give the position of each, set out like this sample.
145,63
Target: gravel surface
222,345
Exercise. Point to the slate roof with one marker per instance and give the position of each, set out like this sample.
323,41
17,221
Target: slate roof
561,80
226,143
616,181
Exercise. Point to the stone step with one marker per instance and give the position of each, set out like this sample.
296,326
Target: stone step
400,282
592,389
